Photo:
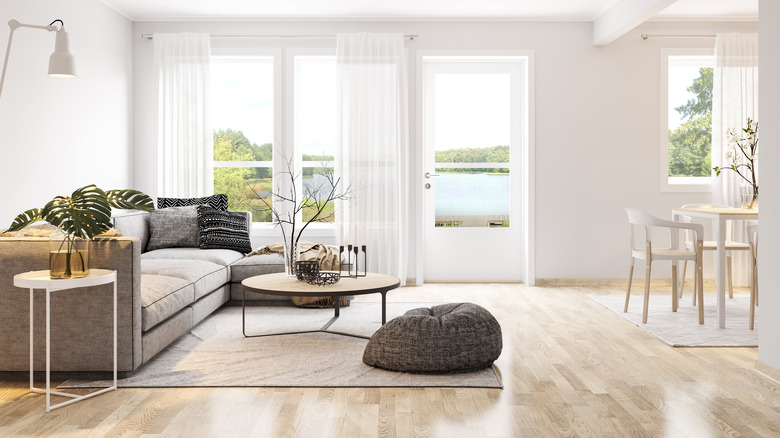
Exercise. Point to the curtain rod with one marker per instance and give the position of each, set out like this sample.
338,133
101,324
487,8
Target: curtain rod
646,36
150,36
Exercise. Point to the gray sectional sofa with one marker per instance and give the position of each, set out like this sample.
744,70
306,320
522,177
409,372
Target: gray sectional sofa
162,294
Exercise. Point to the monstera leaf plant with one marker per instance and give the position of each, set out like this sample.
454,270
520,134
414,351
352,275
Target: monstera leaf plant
84,214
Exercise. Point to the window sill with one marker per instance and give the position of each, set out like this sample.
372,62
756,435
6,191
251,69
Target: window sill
314,230
688,185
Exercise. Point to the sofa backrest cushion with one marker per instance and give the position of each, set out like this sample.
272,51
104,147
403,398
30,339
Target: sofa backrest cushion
134,224
218,201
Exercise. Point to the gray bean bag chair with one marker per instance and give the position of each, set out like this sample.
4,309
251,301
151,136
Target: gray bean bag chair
450,338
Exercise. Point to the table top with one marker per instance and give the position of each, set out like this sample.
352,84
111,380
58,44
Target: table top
719,211
279,284
41,280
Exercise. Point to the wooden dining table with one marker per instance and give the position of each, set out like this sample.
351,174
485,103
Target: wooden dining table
719,217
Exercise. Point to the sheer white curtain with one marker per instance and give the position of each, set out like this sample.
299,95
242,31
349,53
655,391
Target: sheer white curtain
734,99
184,139
373,149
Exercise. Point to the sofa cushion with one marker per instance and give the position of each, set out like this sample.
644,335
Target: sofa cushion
256,265
223,229
205,276
163,296
174,227
222,257
218,201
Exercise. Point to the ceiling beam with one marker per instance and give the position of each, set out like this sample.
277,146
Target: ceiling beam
624,16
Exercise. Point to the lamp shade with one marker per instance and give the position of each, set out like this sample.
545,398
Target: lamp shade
61,62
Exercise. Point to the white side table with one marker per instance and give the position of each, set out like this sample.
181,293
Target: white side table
41,280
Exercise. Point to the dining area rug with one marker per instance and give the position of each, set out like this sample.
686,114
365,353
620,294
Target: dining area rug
681,328
216,354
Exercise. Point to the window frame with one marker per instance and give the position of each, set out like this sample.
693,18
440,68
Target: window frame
667,183
284,121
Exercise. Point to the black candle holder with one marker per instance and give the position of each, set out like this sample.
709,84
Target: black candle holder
353,261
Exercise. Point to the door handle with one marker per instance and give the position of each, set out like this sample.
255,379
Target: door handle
429,174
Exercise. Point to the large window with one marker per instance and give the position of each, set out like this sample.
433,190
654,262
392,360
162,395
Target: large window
315,126
686,114
243,119
267,110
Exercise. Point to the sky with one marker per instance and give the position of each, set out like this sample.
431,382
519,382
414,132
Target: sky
243,99
472,110
682,72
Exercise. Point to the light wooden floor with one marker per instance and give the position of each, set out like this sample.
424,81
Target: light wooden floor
569,366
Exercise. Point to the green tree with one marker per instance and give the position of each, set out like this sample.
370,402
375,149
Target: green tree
493,154
243,185
701,104
690,145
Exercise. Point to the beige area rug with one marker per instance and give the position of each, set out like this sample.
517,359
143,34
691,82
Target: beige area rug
681,328
215,353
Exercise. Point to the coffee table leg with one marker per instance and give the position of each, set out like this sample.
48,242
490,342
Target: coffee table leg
243,312
337,305
384,306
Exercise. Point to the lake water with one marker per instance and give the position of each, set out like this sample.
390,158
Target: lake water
471,194
459,194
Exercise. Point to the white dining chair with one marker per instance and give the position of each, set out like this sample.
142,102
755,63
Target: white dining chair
712,245
752,231
650,253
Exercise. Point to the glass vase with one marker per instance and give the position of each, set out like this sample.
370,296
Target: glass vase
291,255
748,195
68,256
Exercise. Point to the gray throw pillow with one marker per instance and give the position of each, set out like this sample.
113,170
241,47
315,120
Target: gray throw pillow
174,227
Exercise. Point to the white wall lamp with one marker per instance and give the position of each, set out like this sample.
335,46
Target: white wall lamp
61,62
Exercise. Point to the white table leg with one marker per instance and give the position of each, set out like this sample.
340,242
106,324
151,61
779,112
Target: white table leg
48,351
115,332
31,340
720,272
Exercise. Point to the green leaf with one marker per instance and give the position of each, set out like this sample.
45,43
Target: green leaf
86,213
130,200
24,219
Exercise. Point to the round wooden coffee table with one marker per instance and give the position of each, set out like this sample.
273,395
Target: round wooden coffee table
279,284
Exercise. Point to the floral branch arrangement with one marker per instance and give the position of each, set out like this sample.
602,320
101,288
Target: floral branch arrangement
743,154
314,199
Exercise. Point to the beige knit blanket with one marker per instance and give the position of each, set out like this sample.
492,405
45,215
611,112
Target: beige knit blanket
328,257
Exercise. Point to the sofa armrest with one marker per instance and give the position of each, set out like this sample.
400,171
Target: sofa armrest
134,224
81,319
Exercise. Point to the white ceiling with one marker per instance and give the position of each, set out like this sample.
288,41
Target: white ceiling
554,10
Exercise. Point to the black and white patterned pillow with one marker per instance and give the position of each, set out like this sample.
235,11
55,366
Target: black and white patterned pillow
223,229
219,201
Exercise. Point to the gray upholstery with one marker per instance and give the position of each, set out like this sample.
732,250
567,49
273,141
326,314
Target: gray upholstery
156,339
163,296
205,276
449,338
222,257
173,227
80,318
134,224
256,265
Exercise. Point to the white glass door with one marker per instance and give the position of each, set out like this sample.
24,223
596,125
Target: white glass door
473,123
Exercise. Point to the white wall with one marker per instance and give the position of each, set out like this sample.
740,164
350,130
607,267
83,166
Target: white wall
769,112
597,117
57,135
